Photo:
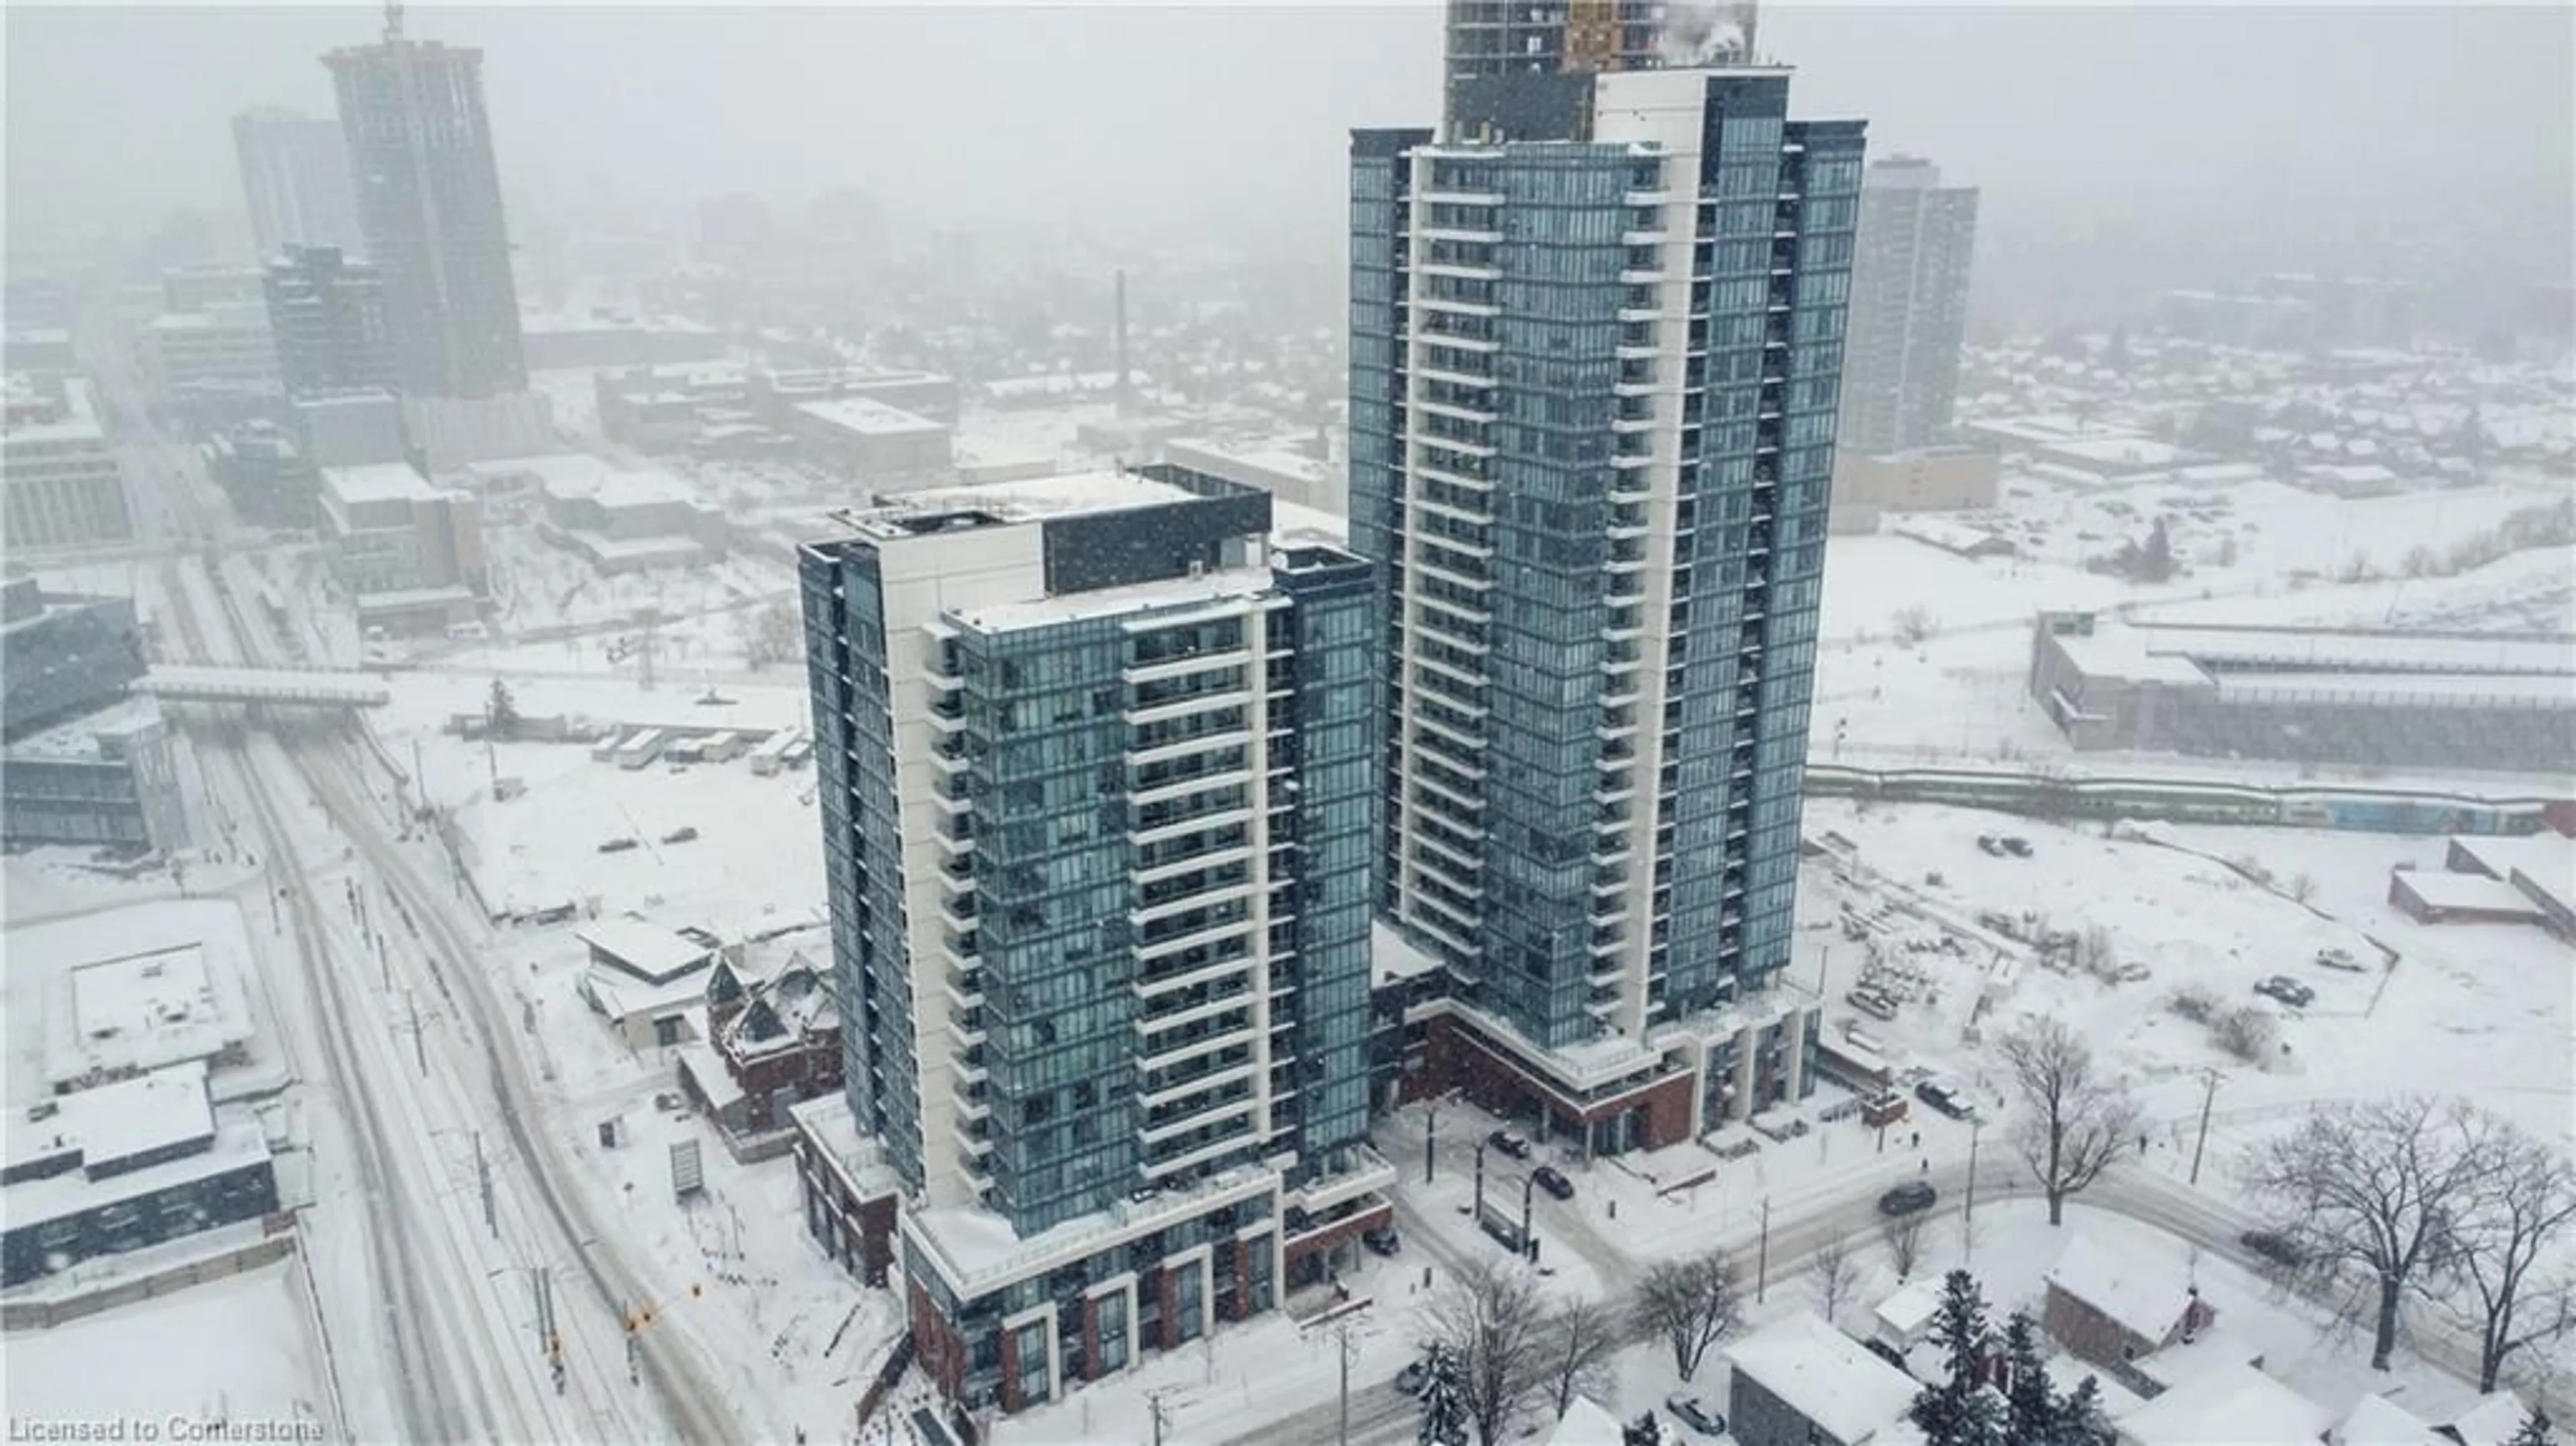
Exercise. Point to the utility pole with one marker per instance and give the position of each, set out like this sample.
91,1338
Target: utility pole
1480,1183
1968,1216
483,1172
419,1041
1529,1186
1762,1255
1342,1339
2208,1096
1430,1119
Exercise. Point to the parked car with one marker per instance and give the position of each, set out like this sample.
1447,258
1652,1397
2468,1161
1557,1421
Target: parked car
1509,1143
1945,1099
1553,1181
1413,1378
2339,959
2287,990
2274,1247
1871,1003
1696,1416
2015,845
617,846
1989,844
686,833
1383,1240
1911,1198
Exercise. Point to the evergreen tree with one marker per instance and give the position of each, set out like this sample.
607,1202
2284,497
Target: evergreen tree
1444,1404
2156,559
1958,1410
2534,1430
2080,1419
502,712
2030,1409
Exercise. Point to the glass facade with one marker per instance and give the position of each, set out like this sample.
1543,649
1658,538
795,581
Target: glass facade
1568,469
845,656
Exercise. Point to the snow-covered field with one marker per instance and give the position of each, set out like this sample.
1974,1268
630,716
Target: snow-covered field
236,1350
2479,1008
1962,693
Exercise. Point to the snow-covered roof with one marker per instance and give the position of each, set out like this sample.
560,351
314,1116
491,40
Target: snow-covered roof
1585,1423
2377,1421
646,950
2442,890
1825,1376
622,996
2491,1422
236,1143
2226,1407
377,482
1030,499
2143,1296
870,417
142,1012
2543,862
115,1121
1908,1313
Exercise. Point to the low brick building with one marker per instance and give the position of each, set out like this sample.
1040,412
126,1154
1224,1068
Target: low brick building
2114,1312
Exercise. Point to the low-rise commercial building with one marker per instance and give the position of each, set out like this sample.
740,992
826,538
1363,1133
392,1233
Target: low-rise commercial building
1290,476
2461,700
1926,479
69,654
618,520
872,443
109,779
64,486
387,530
124,1166
227,346
604,338
269,479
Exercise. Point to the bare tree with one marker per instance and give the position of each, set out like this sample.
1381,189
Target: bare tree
2096,953
1582,1337
2246,1032
2377,1184
2302,887
1834,1275
1693,1303
1903,1236
2505,1229
2075,1122
1491,1318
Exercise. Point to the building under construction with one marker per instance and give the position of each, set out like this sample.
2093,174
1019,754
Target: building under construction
1522,68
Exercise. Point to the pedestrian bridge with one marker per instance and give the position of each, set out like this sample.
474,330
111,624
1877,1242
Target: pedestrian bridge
296,687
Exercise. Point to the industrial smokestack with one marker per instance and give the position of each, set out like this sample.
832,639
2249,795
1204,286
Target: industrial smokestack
1126,399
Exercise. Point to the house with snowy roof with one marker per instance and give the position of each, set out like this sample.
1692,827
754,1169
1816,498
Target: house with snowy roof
2374,1420
2228,1406
1800,1382
773,1040
1586,1423
2493,1421
2114,1311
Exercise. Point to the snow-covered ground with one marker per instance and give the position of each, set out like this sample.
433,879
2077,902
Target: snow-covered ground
1962,693
2480,1008
237,1349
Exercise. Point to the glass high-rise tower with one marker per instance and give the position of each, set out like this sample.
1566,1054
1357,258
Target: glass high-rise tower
429,201
1095,764
1909,307
1596,345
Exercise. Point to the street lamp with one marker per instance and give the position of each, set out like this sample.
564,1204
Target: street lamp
1529,1183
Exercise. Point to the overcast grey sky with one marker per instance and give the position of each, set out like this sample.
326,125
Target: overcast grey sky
2318,124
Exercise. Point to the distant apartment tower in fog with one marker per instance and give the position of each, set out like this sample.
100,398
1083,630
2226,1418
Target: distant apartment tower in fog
1909,307
429,200
328,315
295,176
